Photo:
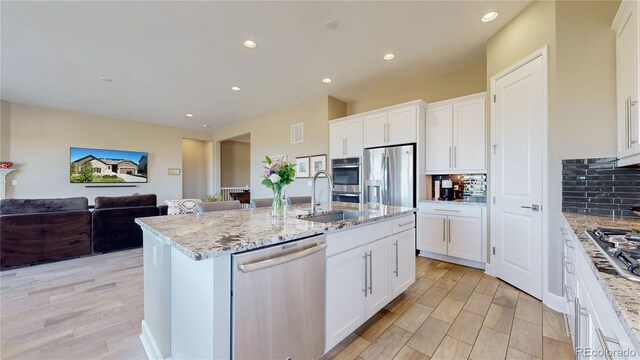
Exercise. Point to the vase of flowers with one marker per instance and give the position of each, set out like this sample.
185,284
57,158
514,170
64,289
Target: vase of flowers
275,175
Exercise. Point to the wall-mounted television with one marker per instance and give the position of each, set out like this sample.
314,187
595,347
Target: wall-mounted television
107,166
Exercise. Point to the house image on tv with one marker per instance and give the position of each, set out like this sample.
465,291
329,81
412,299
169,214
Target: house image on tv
108,166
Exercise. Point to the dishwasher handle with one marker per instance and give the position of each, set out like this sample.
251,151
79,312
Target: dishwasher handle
259,265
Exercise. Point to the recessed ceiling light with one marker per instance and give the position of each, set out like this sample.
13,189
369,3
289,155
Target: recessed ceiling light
250,44
235,88
389,56
490,16
326,81
189,115
105,79
205,125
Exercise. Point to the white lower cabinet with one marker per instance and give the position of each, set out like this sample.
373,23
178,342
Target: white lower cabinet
590,320
364,278
452,230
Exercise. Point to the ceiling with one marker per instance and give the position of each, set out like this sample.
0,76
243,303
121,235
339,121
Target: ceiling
166,59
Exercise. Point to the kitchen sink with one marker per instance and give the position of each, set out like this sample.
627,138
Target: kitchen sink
334,216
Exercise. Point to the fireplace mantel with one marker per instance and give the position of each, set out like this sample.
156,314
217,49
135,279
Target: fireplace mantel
3,181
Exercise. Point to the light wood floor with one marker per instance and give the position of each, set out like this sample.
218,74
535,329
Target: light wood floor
92,308
456,312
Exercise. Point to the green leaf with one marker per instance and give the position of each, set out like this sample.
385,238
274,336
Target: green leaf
267,182
268,160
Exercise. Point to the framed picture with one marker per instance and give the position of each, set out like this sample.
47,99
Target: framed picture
318,162
302,167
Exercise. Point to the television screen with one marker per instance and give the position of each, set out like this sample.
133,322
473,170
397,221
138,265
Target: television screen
107,166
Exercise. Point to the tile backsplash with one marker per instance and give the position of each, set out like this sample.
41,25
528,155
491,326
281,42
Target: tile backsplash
598,187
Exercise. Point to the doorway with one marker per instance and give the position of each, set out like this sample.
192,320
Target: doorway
518,171
196,168
235,166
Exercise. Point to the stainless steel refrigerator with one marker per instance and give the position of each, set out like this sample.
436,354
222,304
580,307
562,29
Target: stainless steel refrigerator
389,176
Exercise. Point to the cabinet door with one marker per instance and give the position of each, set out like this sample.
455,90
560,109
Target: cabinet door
403,252
627,61
439,139
469,140
375,130
403,126
378,266
465,237
354,137
345,287
431,233
337,146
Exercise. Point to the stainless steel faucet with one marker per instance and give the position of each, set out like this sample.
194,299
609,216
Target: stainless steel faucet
313,190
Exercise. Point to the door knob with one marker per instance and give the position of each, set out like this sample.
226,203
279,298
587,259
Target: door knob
533,207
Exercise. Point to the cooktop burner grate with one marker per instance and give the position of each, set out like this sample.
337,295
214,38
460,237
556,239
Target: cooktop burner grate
624,260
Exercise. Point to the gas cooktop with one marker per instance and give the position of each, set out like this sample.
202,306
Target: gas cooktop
622,249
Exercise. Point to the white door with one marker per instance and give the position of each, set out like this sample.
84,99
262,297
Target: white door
465,238
403,271
518,115
469,136
378,265
354,143
375,130
345,295
402,128
431,233
337,146
627,58
439,138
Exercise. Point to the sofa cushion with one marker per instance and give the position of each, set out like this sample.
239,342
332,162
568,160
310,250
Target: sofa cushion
32,206
103,202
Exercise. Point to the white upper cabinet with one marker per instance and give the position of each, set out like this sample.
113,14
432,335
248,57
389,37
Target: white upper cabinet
628,67
392,127
345,138
456,136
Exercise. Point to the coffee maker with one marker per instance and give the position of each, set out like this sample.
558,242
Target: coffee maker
448,192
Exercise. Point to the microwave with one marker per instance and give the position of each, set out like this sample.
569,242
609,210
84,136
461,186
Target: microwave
347,178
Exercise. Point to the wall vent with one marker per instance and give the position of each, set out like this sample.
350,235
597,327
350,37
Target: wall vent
297,133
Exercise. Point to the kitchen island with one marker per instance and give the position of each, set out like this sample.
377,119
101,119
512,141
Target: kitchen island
188,269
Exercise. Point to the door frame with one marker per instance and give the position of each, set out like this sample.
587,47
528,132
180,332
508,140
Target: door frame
543,53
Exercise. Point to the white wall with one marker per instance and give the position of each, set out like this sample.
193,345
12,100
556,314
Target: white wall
194,169
40,139
235,163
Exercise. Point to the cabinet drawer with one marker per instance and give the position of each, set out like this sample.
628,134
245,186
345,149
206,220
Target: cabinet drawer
341,241
404,223
451,210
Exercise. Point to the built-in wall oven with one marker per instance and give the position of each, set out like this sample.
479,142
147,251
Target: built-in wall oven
347,179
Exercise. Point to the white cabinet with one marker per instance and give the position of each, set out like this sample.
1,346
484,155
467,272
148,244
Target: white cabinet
391,127
590,318
367,267
452,230
346,138
626,25
456,136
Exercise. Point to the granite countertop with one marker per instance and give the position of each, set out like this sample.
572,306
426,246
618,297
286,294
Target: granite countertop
623,294
454,202
211,234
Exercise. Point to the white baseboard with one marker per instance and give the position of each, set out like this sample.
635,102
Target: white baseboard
149,344
465,262
555,302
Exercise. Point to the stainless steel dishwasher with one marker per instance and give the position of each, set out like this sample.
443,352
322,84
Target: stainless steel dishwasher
278,301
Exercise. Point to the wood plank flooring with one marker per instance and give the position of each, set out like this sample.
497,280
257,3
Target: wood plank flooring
92,307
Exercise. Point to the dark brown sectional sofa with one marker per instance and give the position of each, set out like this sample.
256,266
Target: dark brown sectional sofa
39,230
32,231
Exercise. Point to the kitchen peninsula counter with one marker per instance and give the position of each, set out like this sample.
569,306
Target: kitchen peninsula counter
211,234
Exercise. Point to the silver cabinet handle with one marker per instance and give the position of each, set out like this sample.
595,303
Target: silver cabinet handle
450,156
447,210
455,156
449,229
405,223
627,122
245,268
370,272
444,233
634,132
604,341
396,245
366,275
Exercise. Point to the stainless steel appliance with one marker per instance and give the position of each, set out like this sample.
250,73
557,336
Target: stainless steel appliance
389,175
278,301
621,248
347,179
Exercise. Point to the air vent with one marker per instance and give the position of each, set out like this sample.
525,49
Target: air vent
297,133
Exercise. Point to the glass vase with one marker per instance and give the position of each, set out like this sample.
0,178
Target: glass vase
277,208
